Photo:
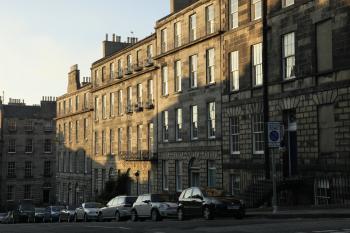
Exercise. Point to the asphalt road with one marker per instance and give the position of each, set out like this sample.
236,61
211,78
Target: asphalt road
190,226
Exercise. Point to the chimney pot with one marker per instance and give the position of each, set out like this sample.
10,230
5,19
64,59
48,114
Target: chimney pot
106,36
113,37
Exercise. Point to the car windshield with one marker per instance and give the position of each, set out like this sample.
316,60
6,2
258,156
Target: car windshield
93,205
160,198
130,200
57,208
39,210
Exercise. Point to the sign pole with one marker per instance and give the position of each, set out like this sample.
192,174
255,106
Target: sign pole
274,185
274,139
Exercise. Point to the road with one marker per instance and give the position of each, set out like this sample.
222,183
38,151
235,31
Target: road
248,225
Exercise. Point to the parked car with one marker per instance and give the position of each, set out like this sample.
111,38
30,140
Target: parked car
3,217
87,211
154,206
118,208
67,214
8,217
52,213
196,202
24,211
39,214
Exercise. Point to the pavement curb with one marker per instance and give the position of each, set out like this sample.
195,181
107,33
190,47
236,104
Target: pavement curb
297,215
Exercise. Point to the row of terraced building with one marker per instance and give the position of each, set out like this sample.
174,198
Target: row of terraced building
188,105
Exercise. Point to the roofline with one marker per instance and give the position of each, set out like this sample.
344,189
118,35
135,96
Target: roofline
144,40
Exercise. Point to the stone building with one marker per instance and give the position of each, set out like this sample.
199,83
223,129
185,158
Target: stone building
188,105
74,144
27,142
303,65
189,97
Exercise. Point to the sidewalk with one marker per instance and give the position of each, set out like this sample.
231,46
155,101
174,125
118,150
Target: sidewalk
299,213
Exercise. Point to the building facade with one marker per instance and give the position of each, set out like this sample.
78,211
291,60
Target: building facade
292,68
27,139
189,105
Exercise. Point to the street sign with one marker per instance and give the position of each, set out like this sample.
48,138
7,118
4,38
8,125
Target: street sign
274,134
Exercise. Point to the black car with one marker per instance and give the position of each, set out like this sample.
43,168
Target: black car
196,202
24,212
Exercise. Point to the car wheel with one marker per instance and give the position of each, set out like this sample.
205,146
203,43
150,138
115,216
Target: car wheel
180,215
134,217
208,215
155,215
117,217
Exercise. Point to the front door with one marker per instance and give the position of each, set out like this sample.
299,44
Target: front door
290,156
46,196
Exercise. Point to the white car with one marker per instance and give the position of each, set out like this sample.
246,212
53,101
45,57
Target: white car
87,211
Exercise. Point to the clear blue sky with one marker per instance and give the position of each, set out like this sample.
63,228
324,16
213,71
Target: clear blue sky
41,39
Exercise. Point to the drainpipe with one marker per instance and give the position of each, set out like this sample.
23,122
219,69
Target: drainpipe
265,89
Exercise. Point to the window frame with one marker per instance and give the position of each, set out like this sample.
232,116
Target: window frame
210,66
288,56
211,120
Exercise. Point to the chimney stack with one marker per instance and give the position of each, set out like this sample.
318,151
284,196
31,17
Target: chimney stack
73,79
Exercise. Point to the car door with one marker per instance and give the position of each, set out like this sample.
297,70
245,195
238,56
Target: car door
112,207
148,205
47,213
140,205
80,212
186,202
197,201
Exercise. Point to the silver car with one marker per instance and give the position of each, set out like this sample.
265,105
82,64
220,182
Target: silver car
118,208
87,211
154,206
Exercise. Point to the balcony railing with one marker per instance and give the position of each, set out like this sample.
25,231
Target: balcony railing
28,128
139,106
128,70
120,73
149,62
137,66
143,155
150,104
129,108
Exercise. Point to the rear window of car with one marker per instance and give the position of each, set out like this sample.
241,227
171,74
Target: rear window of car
130,200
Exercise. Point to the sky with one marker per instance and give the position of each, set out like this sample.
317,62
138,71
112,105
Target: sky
41,39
